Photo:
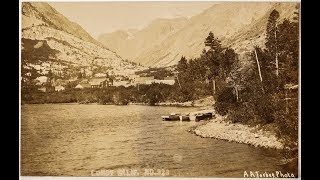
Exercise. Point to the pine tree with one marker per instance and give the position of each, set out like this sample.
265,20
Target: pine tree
271,39
213,43
182,65
214,58
50,75
182,69
289,51
228,59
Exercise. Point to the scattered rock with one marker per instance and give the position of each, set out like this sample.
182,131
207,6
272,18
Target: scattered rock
238,133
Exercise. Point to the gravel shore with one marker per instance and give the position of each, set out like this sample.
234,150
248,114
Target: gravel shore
220,129
203,102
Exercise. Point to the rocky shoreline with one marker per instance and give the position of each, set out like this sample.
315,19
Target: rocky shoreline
203,102
234,132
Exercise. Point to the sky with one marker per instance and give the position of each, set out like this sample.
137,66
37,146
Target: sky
103,17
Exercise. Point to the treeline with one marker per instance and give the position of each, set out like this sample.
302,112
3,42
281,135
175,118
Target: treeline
158,73
269,91
264,91
207,74
147,94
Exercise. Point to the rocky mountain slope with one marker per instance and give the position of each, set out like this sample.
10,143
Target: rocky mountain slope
238,25
255,33
132,43
50,38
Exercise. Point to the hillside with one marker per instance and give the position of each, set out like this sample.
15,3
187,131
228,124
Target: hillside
43,13
51,41
233,23
132,43
254,34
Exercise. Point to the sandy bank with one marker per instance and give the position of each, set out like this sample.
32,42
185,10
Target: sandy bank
219,129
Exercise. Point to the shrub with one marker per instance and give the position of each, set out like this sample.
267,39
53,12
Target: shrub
225,101
286,118
243,113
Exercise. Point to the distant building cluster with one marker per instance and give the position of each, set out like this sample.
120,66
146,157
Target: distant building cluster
99,81
167,80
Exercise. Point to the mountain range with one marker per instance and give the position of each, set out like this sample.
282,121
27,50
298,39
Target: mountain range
238,25
50,40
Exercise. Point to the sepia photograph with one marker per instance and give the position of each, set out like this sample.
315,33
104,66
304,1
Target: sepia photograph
176,89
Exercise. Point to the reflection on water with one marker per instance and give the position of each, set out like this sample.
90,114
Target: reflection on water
73,140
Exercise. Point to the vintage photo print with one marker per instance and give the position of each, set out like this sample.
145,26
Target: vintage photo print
173,89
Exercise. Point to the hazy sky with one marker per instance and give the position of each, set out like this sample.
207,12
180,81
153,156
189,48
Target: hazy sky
102,17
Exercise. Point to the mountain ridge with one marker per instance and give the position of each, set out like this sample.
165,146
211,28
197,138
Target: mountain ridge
131,44
228,21
55,19
68,45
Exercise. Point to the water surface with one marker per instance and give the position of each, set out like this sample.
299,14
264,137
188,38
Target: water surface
74,140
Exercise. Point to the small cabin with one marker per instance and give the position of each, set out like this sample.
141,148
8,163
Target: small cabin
82,86
98,82
59,88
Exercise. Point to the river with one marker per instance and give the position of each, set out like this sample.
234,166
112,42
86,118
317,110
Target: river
82,140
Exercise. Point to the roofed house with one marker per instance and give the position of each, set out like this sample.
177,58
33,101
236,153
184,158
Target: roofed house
143,80
133,76
169,78
41,80
121,83
158,81
150,81
83,85
84,81
46,88
167,81
97,82
109,81
59,88
101,82
44,83
60,82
